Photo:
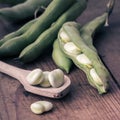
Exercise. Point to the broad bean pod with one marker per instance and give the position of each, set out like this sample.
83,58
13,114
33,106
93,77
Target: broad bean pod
23,10
47,38
85,58
53,11
60,58
89,29
17,33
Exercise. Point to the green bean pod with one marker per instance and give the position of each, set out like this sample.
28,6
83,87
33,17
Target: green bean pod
53,11
60,58
85,58
89,29
47,38
17,33
23,10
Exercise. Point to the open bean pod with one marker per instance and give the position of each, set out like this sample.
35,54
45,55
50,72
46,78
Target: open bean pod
84,57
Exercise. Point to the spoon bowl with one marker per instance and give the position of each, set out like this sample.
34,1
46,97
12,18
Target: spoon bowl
21,74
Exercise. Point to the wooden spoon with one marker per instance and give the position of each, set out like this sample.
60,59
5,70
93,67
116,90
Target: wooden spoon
20,74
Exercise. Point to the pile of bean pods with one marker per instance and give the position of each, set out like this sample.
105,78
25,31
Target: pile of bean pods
72,43
39,34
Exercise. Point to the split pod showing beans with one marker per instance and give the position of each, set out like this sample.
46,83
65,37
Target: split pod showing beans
23,10
77,45
59,57
14,46
84,57
46,39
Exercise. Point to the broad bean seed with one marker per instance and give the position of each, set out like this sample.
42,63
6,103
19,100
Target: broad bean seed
56,78
35,77
45,83
40,107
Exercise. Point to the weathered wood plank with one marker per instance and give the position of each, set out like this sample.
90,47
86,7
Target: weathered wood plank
8,87
83,102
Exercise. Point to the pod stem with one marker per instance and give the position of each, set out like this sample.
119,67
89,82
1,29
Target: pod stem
110,6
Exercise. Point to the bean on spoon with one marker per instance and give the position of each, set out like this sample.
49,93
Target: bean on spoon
20,74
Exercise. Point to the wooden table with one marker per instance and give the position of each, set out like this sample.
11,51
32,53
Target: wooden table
83,102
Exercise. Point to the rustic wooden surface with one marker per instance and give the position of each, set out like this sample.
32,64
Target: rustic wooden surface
83,102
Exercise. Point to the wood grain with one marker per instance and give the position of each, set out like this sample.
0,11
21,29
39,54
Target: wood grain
83,102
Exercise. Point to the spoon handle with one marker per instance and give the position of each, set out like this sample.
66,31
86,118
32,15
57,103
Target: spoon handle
12,71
